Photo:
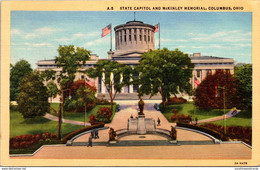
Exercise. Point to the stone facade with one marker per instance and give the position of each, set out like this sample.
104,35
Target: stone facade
132,40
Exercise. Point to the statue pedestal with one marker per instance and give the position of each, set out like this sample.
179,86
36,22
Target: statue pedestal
141,129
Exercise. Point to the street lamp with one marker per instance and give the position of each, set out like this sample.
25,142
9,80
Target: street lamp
83,77
194,108
224,103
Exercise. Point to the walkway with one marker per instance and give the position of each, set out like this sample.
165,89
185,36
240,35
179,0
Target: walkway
121,118
191,150
228,115
149,107
55,118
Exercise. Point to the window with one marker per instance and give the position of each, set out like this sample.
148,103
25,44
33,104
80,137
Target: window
149,35
140,36
135,35
130,36
198,73
227,70
208,72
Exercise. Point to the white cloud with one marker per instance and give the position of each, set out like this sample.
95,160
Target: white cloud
84,35
42,45
15,31
63,39
95,42
243,45
41,32
228,36
173,40
209,46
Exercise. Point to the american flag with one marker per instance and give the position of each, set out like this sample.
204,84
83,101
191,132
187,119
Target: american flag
92,84
106,30
196,81
156,28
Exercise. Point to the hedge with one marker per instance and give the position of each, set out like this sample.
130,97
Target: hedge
76,132
203,129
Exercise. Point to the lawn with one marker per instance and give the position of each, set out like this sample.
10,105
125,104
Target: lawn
244,118
20,126
188,109
79,116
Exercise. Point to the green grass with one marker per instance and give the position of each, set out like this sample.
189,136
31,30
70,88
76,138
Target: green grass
79,116
244,118
188,109
20,126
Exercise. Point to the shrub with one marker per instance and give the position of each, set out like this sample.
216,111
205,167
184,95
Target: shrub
104,114
92,119
72,105
175,111
175,100
181,118
203,129
76,132
102,101
25,141
232,132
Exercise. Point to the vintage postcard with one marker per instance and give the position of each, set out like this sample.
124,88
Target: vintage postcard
129,83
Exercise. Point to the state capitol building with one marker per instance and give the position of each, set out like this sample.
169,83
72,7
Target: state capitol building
131,41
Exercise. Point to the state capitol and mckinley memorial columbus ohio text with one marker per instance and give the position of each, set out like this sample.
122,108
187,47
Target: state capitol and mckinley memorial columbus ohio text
175,8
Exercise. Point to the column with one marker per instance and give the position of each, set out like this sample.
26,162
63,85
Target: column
131,88
142,36
103,87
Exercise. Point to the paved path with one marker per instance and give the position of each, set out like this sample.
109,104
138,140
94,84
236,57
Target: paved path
227,115
191,151
221,151
55,118
121,118
148,107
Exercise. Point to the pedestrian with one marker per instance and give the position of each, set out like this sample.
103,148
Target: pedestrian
131,116
196,120
96,134
234,111
92,134
158,122
90,141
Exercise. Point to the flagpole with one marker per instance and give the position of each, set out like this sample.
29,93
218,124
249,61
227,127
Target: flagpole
111,38
159,35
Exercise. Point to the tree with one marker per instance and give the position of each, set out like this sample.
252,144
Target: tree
84,96
217,88
52,90
33,98
116,76
48,75
165,72
244,74
70,59
17,73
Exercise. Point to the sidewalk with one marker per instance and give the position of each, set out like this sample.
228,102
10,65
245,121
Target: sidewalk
55,118
227,115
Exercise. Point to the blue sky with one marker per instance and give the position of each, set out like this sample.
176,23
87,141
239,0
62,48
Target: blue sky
36,35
